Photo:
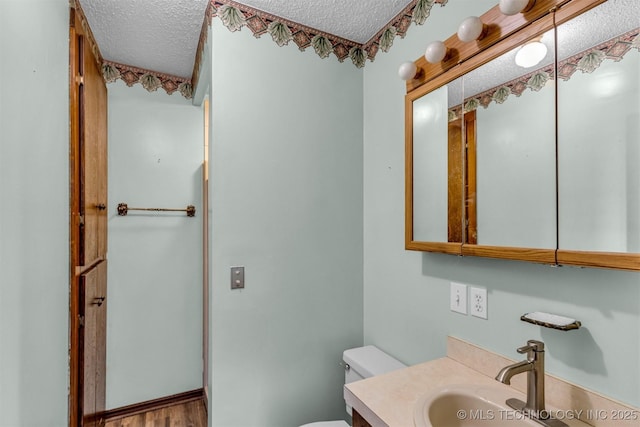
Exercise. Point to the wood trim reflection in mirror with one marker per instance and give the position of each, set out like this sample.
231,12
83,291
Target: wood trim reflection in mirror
471,200
455,186
462,179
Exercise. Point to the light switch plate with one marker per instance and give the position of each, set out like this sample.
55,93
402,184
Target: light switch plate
237,277
458,300
478,302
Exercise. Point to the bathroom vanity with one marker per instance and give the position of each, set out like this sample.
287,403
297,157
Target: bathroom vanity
398,398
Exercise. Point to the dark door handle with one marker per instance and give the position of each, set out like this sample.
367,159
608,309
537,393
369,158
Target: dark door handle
98,301
101,206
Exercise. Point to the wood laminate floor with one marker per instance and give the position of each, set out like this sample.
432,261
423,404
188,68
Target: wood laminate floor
191,414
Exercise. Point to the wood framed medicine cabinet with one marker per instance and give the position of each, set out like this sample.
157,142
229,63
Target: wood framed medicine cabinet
554,201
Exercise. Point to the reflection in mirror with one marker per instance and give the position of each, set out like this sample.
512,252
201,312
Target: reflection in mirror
437,156
599,129
513,148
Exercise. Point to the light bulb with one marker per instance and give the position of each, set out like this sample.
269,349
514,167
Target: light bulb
531,54
407,70
513,7
470,29
436,51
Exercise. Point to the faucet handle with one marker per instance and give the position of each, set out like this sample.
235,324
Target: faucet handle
532,346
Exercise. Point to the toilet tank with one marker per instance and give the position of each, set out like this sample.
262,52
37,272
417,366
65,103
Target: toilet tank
366,362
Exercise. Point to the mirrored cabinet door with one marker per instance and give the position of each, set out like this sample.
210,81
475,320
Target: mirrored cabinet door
529,149
599,136
511,148
430,178
437,157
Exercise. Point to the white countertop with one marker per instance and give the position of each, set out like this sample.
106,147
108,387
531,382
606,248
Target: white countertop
389,400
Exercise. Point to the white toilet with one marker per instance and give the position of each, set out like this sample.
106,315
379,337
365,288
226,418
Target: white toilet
361,363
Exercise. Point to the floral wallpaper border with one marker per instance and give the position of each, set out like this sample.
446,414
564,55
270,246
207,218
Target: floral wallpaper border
204,34
112,71
587,61
150,80
234,16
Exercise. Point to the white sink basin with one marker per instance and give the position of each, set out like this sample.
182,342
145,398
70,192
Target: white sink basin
469,406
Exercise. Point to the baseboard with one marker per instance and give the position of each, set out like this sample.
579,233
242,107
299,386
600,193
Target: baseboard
150,405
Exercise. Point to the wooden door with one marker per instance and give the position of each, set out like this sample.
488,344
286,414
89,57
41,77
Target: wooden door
93,312
92,149
88,228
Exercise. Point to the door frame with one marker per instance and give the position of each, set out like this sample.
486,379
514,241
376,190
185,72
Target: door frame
75,394
81,44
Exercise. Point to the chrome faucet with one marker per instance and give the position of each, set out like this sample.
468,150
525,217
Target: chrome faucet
534,367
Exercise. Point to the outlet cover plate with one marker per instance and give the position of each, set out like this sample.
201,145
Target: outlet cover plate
237,277
478,302
458,299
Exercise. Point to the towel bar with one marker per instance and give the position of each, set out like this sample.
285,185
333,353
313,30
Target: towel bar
123,209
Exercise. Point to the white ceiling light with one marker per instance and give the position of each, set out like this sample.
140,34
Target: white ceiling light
407,70
513,7
470,29
531,54
435,52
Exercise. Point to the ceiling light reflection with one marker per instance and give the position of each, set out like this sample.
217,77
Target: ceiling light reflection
531,54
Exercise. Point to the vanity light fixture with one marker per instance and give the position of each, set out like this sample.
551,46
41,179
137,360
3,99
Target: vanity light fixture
513,7
436,51
471,29
531,54
407,70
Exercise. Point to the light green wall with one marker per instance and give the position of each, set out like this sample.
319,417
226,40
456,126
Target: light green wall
154,333
34,212
406,294
286,201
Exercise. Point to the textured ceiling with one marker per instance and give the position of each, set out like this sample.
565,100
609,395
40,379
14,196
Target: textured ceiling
157,35
162,35
600,24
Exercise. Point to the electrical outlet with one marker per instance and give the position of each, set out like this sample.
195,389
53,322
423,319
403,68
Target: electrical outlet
458,301
237,277
478,302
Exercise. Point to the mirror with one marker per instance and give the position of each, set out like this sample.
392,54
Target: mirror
599,130
536,161
437,173
513,148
